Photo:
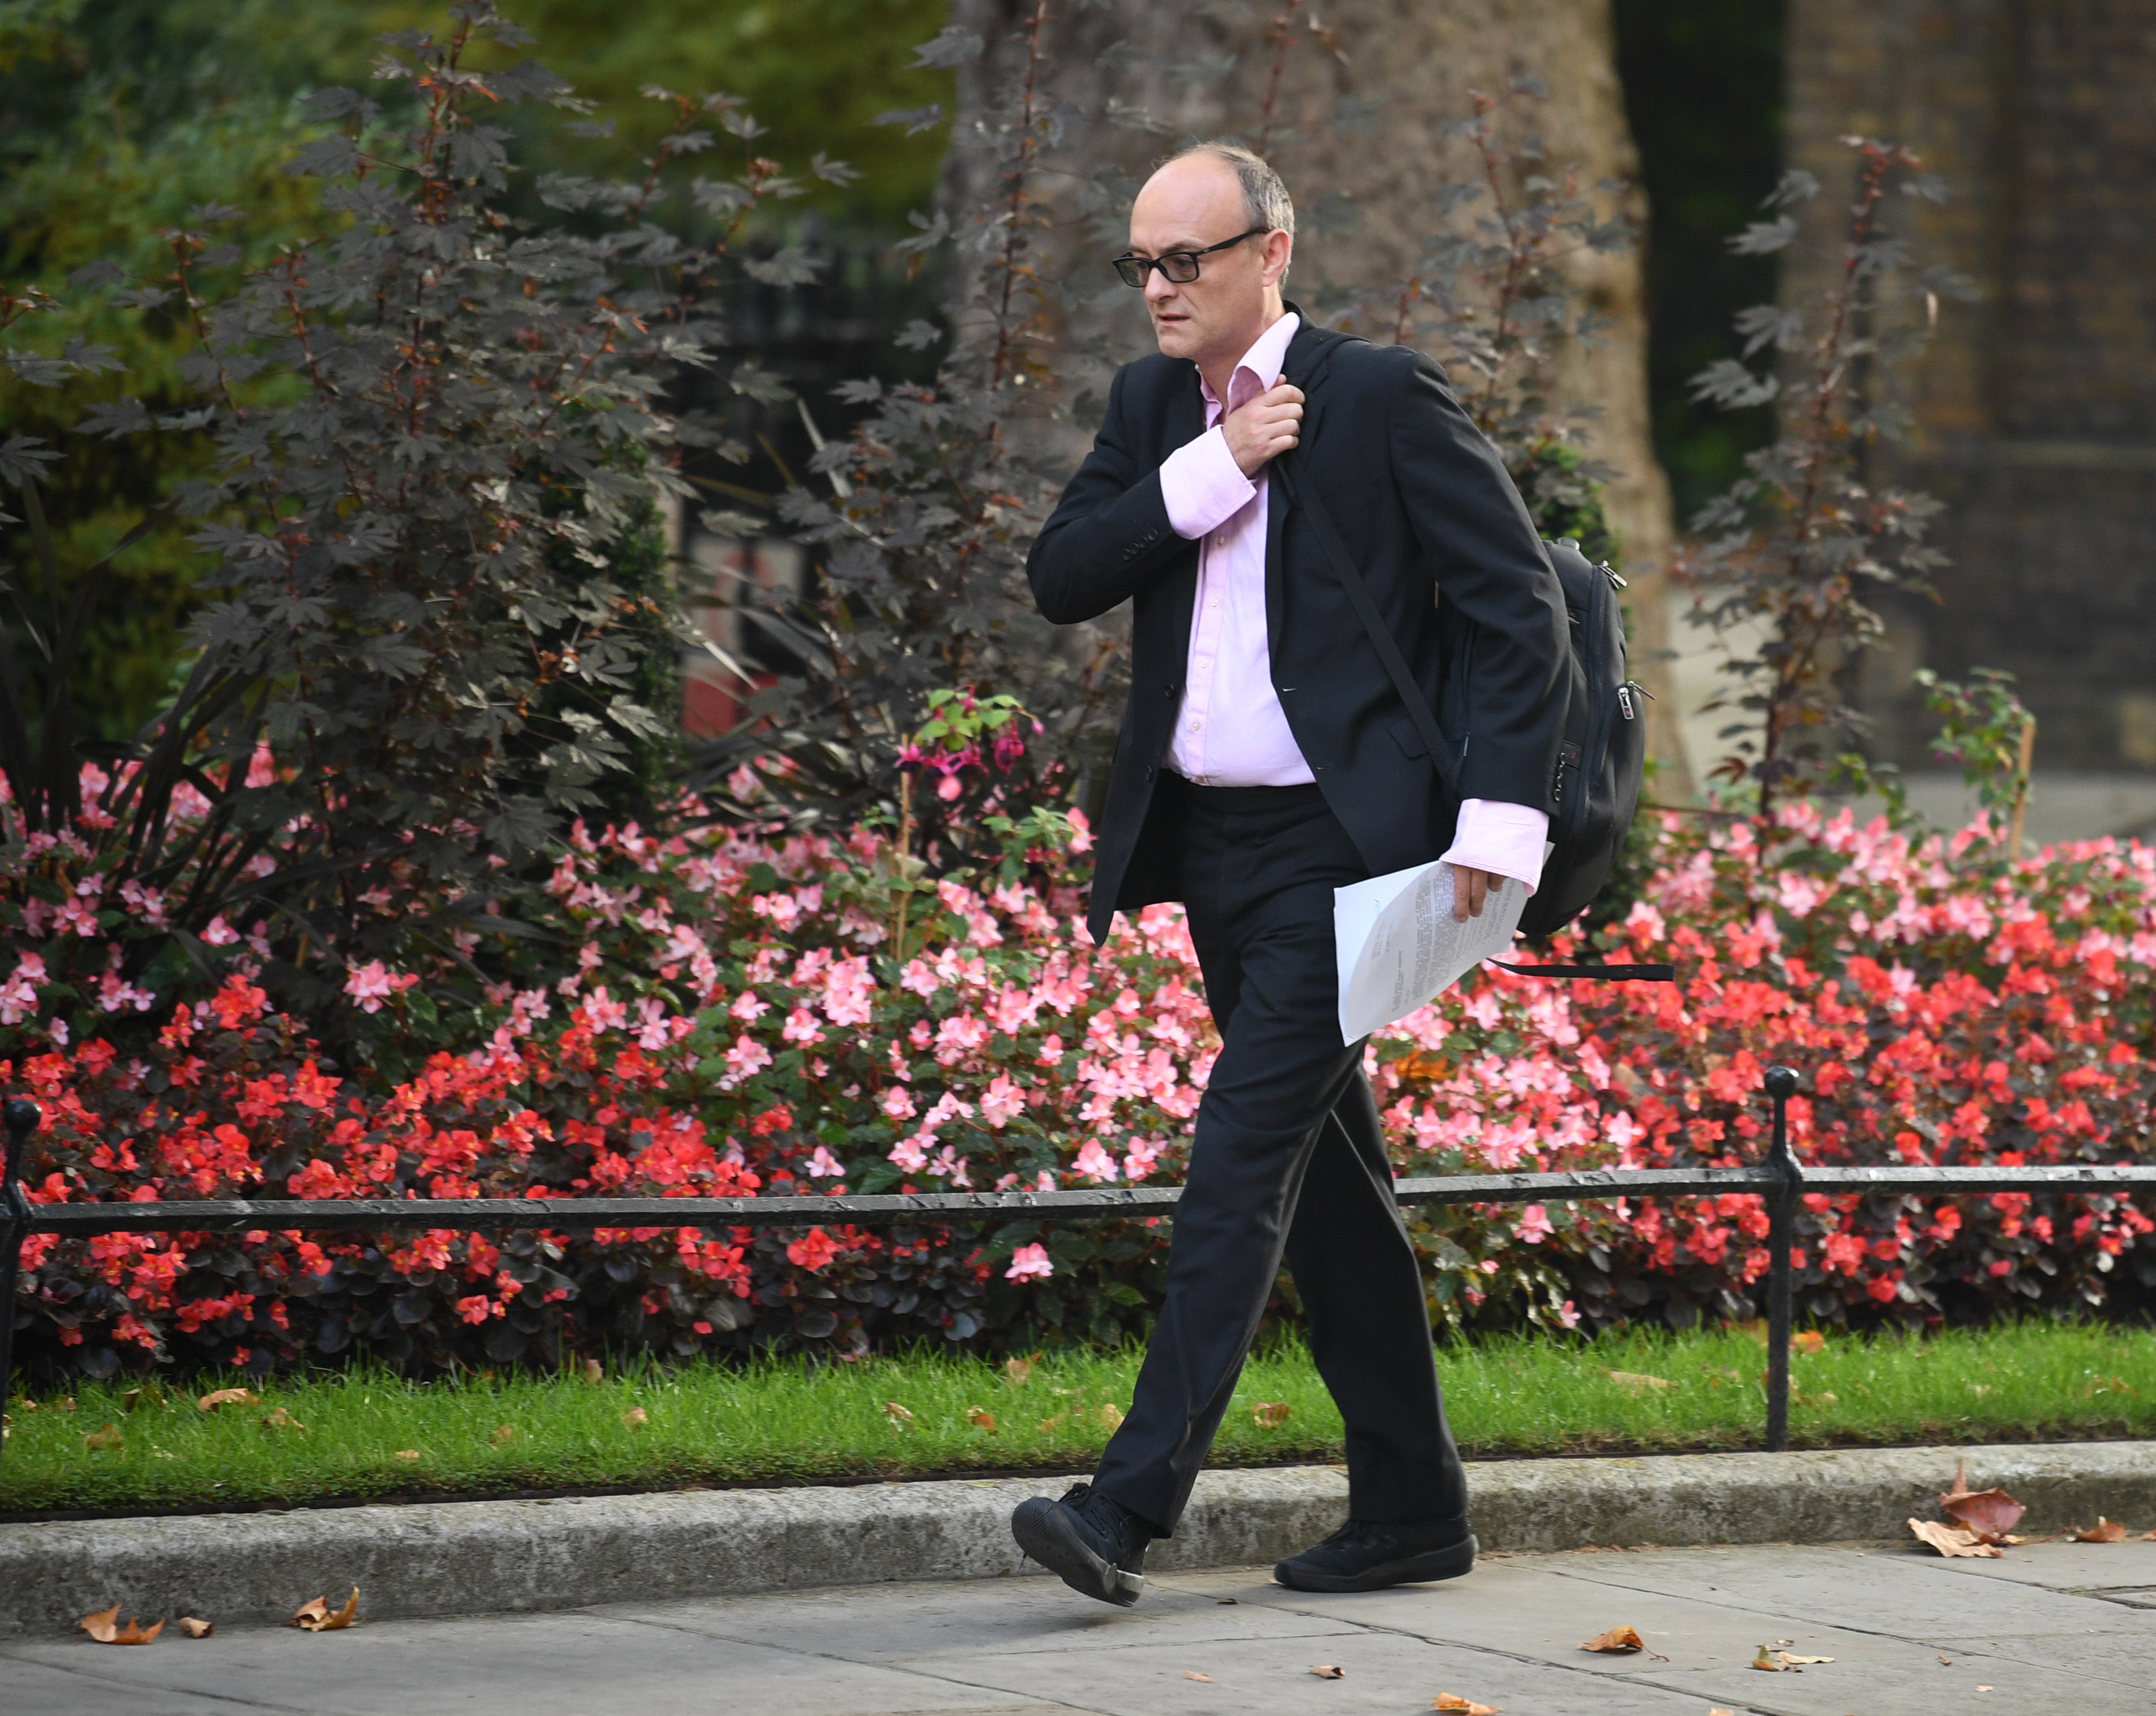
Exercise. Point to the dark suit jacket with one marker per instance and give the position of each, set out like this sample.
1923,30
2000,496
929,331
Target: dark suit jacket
1426,509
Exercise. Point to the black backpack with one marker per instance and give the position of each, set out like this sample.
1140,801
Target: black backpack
1604,753
1600,760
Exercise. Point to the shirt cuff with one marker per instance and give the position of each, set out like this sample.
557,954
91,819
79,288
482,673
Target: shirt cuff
1507,839
1203,486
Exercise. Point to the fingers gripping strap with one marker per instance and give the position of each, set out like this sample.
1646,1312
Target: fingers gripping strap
1442,750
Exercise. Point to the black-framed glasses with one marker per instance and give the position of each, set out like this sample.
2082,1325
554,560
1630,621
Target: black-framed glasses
1180,266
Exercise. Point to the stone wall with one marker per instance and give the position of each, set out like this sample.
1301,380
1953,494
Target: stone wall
2036,407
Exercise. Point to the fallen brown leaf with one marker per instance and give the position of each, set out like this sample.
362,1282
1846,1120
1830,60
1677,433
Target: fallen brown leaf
2104,1531
195,1627
281,1419
1225,1602
104,1439
1952,1540
406,1454
1462,1707
1052,1424
1808,1340
897,1414
636,1418
1983,1688
1018,1372
105,1627
317,1616
1638,1379
981,1419
1193,1674
2149,1537
1111,1417
594,1371
1328,1670
148,1394
504,1435
1782,1662
1946,1661
1269,1414
1617,1641
1991,1513
224,1397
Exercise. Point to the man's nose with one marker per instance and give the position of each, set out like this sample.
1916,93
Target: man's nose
1159,289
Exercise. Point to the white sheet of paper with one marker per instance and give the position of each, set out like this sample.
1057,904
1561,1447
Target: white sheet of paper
1399,946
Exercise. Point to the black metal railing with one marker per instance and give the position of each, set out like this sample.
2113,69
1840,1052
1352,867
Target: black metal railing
1780,1180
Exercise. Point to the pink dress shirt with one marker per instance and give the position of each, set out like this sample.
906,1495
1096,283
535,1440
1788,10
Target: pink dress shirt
1230,730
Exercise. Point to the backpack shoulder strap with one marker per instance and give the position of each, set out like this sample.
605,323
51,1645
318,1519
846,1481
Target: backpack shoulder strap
1443,754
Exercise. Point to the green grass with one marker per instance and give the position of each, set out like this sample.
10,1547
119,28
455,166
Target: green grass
783,1423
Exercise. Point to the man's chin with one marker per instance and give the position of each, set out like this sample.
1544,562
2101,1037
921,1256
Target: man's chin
1175,338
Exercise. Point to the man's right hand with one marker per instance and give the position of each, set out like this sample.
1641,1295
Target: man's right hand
1263,428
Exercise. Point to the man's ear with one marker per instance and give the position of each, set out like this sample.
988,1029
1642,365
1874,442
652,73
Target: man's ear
1279,252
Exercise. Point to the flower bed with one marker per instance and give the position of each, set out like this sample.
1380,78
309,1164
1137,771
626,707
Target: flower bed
720,1012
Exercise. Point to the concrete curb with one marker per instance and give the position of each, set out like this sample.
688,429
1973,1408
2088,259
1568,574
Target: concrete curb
467,1557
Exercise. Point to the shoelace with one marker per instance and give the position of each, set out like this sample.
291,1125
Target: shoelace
1357,1532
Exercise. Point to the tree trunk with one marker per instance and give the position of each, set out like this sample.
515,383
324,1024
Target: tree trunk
1357,120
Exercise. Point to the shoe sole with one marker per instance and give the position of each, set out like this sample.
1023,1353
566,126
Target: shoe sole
1431,1565
1044,1534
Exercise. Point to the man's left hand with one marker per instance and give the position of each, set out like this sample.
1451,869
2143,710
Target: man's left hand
1470,889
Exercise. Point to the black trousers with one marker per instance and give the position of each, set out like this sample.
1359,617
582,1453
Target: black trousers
1288,1160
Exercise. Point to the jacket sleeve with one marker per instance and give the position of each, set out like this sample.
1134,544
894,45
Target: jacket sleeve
1483,546
1108,534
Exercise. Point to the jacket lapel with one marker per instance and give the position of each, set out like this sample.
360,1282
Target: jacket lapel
1185,421
1308,354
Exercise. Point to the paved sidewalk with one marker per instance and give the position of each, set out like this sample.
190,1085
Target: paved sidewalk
2052,1628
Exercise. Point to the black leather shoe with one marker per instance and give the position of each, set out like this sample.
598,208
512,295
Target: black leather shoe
1369,1555
1095,1545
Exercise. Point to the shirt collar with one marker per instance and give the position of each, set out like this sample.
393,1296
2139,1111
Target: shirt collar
1263,360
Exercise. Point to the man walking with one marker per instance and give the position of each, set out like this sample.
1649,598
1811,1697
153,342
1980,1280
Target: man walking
1265,759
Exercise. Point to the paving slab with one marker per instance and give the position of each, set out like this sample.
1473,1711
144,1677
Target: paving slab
2036,1630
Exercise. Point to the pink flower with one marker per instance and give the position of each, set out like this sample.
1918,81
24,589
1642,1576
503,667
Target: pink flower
1030,1262
600,1012
745,1060
1002,1101
1095,1162
221,934
1534,1224
477,1308
372,984
824,1165
19,995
